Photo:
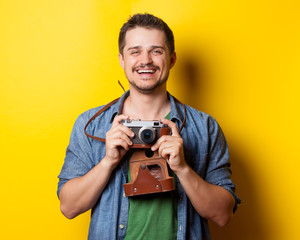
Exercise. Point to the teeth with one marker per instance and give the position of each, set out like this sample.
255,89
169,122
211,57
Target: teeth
145,71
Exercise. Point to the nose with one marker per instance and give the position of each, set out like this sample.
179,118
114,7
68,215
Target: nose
146,58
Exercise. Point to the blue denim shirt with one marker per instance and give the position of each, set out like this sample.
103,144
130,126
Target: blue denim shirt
205,150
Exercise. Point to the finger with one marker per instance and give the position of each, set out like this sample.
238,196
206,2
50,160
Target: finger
161,142
172,148
164,139
158,143
119,134
172,125
119,118
118,143
116,126
167,152
124,129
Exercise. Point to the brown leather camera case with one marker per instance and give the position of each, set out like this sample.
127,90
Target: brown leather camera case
149,174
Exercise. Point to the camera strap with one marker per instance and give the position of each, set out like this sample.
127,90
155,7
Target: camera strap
113,102
96,115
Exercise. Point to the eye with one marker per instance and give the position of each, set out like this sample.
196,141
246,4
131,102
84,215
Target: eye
158,51
134,52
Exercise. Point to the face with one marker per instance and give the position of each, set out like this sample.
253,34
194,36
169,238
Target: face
146,59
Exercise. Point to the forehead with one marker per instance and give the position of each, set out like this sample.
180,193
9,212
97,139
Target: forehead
144,37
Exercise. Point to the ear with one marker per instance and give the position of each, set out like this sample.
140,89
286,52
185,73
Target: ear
121,60
173,60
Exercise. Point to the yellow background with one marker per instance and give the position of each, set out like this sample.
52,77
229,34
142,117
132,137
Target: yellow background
237,60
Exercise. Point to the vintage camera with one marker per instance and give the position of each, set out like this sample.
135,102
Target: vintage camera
146,132
149,172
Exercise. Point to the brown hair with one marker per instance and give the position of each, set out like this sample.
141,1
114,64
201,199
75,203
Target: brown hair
147,21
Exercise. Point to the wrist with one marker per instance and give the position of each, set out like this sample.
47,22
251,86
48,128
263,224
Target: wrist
182,170
108,164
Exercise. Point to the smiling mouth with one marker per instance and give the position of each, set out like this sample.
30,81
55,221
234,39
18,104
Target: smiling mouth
146,71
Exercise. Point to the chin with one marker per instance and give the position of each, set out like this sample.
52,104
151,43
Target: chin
149,89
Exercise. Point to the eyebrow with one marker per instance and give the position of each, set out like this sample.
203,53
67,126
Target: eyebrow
135,47
139,47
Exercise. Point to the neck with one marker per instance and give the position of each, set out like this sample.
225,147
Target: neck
152,106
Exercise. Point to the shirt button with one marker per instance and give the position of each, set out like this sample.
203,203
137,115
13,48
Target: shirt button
124,195
121,226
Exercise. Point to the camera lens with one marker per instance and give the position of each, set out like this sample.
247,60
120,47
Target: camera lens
147,135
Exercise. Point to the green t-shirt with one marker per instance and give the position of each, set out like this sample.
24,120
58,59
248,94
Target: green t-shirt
152,216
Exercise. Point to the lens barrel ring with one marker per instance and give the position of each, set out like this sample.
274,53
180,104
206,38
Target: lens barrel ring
147,134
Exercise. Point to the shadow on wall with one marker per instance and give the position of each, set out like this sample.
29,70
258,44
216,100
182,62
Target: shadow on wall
191,73
246,224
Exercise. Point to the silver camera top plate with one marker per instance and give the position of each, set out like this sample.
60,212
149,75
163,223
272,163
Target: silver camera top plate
140,123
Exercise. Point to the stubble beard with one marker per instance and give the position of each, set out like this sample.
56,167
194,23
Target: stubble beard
147,89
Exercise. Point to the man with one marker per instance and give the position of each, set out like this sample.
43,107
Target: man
94,172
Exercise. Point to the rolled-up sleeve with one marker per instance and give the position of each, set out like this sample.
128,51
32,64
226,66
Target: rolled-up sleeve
218,169
78,159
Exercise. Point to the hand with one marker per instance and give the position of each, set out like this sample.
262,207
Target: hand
117,141
170,147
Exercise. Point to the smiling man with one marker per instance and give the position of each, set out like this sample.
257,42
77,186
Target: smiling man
94,172
146,59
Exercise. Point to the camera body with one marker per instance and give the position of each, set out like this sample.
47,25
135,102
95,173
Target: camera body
146,132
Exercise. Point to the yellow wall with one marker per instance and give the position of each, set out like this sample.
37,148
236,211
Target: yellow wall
237,60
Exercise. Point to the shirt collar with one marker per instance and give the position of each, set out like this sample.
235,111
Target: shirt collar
118,106
176,108
177,111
